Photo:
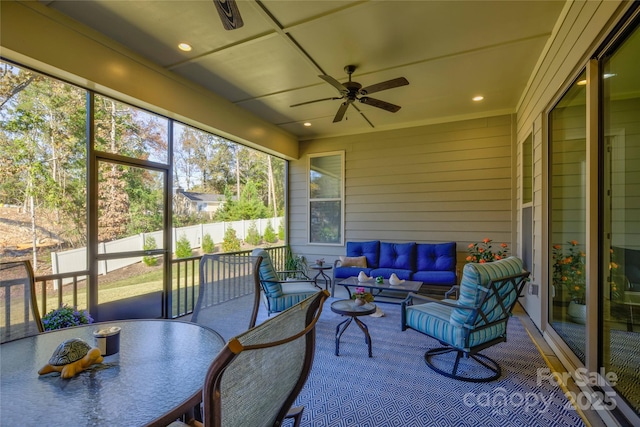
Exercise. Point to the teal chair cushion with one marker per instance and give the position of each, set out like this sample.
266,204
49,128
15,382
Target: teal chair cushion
268,275
475,279
433,320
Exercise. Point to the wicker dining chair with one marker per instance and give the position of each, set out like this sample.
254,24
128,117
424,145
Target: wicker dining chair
19,316
228,294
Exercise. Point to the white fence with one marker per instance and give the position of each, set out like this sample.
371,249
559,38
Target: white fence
76,259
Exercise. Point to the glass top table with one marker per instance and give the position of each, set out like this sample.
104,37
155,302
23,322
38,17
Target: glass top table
349,308
377,288
157,376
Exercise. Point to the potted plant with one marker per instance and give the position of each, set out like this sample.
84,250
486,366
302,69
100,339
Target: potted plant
568,274
482,252
64,317
361,296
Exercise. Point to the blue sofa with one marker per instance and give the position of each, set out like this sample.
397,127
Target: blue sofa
429,263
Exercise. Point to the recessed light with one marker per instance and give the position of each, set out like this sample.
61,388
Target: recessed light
186,47
307,124
478,98
582,82
608,75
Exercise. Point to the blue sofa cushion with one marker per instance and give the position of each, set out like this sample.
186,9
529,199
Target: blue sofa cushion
398,256
386,273
436,257
370,250
344,272
445,278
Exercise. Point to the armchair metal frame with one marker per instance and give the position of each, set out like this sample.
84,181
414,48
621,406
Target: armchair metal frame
498,290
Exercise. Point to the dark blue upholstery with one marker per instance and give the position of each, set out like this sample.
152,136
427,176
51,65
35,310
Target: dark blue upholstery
429,263
399,258
436,257
371,250
436,263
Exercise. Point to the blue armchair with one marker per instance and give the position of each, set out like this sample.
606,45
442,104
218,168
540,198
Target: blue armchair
475,321
279,293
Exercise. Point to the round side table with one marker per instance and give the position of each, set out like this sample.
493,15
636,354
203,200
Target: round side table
321,274
348,307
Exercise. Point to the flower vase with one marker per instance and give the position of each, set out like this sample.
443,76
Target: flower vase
577,312
359,301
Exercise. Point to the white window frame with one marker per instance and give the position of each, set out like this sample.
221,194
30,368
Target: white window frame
339,199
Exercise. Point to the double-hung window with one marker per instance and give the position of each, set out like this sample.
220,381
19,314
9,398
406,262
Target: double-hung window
326,198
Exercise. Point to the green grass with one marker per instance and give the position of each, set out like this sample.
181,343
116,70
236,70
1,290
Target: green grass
128,287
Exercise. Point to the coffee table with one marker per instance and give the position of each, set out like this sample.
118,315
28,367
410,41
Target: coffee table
348,307
377,288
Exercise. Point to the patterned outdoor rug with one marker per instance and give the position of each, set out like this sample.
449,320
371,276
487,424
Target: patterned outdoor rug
396,388
624,350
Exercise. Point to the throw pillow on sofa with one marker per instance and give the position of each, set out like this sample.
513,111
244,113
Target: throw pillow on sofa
353,261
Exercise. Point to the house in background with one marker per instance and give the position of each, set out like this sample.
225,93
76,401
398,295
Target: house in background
190,202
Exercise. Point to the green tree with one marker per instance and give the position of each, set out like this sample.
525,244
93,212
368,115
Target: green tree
253,236
280,230
230,243
270,234
183,247
208,246
149,244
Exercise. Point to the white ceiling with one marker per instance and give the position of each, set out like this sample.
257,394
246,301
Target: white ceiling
449,51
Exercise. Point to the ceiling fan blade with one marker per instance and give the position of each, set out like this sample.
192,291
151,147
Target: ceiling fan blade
333,82
341,111
229,14
389,84
392,108
316,100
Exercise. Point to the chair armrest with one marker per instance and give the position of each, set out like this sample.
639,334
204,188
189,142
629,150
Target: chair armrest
337,263
423,298
454,290
286,272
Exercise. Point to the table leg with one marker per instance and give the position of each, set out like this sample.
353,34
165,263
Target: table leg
367,337
340,331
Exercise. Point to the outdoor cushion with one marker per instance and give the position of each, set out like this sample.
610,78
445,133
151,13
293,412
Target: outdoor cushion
447,278
267,273
398,256
369,249
436,257
475,278
433,320
353,261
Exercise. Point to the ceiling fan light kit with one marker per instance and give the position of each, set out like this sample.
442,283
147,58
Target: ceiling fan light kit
351,92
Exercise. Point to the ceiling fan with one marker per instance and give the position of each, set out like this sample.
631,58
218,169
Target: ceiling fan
229,14
352,91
